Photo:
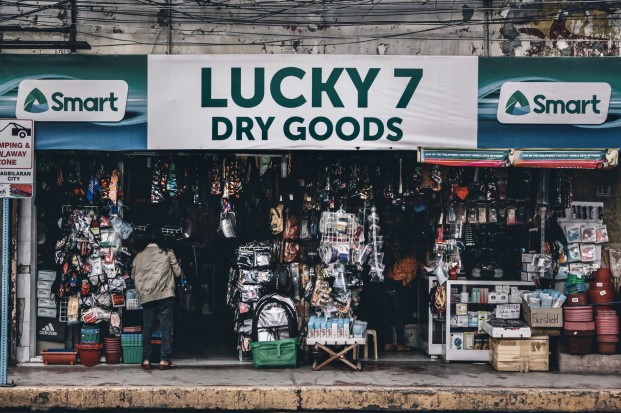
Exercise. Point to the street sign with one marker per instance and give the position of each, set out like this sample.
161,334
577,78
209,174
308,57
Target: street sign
16,158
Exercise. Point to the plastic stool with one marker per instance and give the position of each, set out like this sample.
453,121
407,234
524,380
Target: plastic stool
366,345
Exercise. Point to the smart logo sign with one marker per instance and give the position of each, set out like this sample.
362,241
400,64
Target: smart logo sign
72,100
554,103
310,102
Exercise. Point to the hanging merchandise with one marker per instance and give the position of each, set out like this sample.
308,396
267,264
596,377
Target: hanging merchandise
113,190
375,241
227,220
277,219
158,181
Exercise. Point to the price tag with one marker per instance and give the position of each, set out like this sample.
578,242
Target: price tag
574,300
599,284
603,292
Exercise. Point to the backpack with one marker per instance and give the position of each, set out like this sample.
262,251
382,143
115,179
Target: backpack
283,281
277,219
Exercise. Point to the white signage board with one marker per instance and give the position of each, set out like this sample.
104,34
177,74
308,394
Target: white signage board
508,311
321,102
573,103
72,100
16,158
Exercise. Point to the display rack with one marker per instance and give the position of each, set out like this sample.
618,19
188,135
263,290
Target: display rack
451,354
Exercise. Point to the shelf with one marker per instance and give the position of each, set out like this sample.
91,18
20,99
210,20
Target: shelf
467,355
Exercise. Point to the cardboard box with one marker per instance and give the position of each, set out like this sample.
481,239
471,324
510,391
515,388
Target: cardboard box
492,298
503,298
469,341
462,320
529,267
542,317
473,319
461,309
46,275
528,257
520,354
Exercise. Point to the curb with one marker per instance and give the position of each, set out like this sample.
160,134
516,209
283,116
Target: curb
311,398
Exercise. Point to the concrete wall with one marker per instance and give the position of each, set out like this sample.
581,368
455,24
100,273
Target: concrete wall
526,28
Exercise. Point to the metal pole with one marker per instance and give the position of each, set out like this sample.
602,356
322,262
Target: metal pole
4,335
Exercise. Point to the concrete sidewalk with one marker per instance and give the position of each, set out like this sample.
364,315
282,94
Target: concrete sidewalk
395,385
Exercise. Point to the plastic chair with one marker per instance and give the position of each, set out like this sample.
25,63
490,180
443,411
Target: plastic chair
373,333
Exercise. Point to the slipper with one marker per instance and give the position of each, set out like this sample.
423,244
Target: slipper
146,365
168,366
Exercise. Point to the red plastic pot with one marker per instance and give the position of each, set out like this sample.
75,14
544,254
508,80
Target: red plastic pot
113,357
89,353
576,299
579,344
600,286
605,347
600,296
602,308
579,326
603,275
608,337
578,332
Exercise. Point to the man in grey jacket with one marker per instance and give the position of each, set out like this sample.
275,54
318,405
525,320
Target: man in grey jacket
154,271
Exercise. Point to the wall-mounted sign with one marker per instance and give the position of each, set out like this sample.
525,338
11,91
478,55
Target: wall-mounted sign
311,102
567,158
577,103
16,163
466,157
72,100
603,190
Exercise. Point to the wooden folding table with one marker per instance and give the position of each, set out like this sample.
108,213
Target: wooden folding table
338,349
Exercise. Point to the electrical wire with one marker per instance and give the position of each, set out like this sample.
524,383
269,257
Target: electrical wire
320,20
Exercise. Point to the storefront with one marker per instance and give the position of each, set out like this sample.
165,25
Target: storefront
293,173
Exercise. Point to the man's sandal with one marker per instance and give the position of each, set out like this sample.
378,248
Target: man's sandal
168,366
146,365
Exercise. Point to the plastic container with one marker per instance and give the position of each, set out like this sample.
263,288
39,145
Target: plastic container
59,356
113,357
132,355
89,353
279,353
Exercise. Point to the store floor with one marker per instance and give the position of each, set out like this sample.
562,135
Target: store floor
395,382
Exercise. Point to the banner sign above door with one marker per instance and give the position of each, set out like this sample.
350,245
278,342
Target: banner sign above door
319,102
496,158
324,102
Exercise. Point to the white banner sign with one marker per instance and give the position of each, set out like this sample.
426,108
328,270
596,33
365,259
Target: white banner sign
16,163
324,102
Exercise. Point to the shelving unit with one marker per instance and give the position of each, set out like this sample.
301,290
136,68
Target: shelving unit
450,354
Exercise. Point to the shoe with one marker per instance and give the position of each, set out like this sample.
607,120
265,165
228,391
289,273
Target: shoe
145,365
168,366
389,347
403,347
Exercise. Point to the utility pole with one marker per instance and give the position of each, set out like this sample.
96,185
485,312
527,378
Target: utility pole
169,26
